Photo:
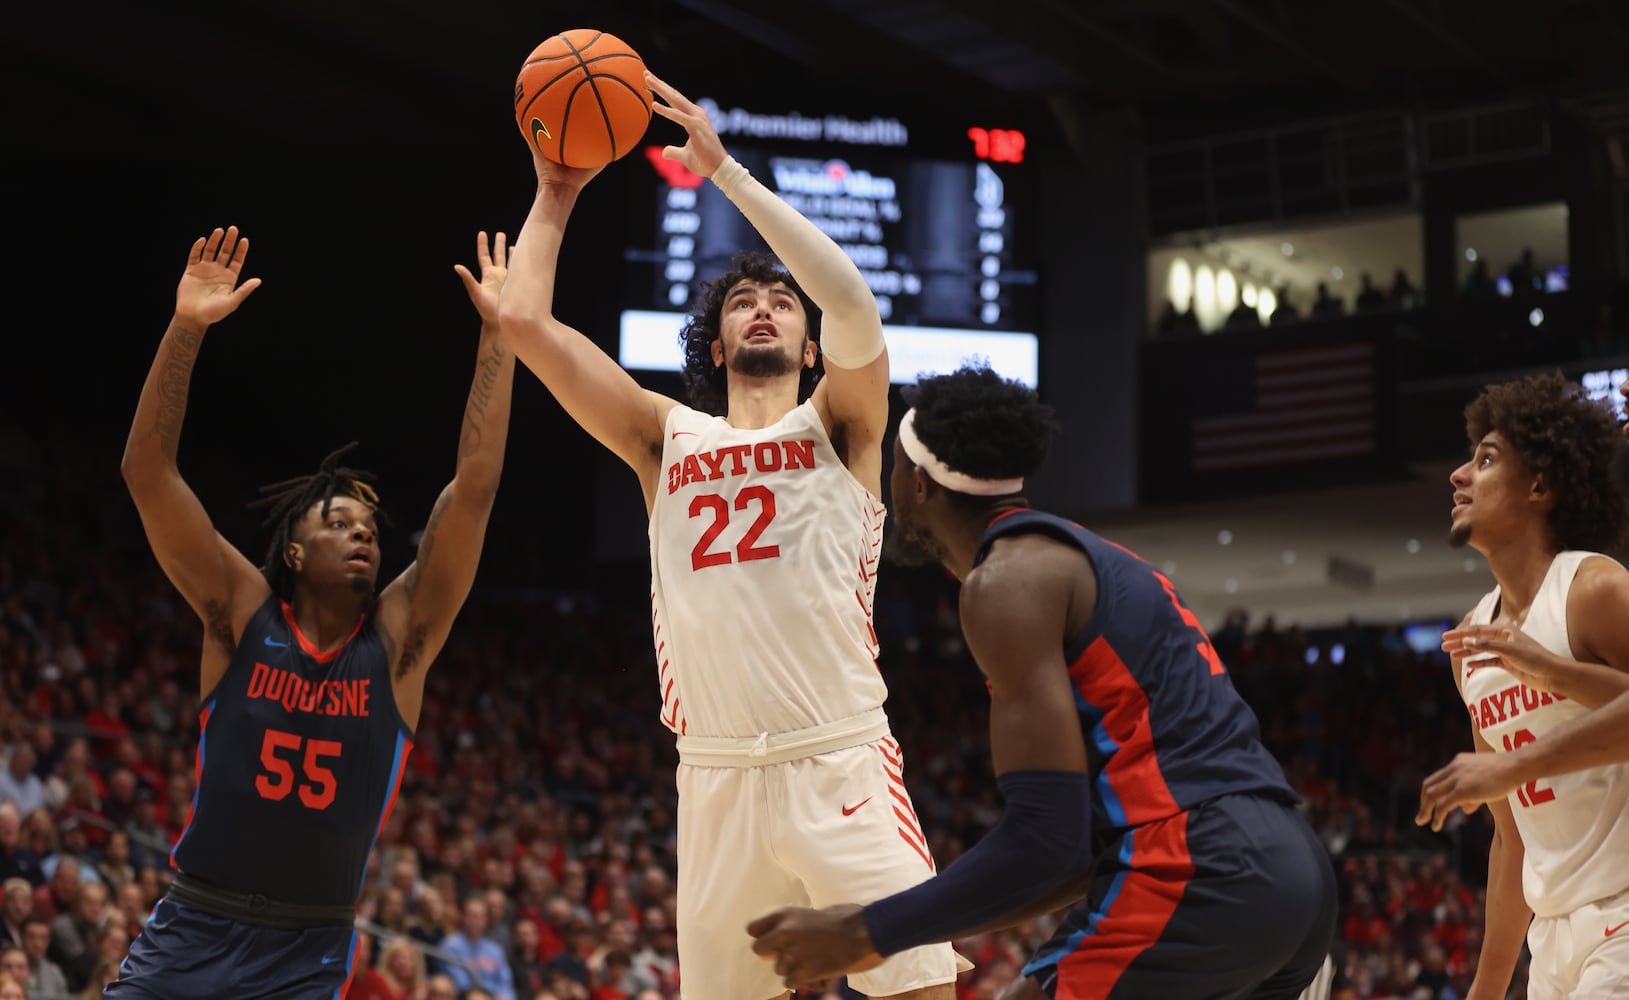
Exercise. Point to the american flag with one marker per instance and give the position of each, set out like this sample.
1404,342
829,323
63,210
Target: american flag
1287,407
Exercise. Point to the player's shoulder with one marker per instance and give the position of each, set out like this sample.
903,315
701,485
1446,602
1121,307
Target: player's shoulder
1600,588
1019,567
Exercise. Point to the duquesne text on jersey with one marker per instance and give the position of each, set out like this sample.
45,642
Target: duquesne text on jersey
765,456
1508,703
297,694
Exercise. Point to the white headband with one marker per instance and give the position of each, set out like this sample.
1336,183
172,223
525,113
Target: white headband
943,474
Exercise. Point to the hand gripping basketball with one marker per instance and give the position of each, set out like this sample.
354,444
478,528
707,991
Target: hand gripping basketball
581,99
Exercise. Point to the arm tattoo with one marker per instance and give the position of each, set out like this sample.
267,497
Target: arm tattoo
427,543
487,371
173,382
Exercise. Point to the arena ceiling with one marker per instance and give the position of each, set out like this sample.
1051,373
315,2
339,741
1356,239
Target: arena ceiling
113,75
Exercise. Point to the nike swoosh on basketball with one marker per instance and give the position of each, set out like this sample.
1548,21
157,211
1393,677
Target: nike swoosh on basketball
850,810
281,645
1613,930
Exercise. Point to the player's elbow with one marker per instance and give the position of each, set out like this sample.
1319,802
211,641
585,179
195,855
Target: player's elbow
141,472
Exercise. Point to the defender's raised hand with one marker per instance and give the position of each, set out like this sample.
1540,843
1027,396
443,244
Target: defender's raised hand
494,265
209,290
703,152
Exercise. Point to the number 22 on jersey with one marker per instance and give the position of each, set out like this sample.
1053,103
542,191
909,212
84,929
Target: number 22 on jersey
757,502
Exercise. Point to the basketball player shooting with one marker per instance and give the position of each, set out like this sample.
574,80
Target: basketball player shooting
765,528
1532,659
1135,782
311,682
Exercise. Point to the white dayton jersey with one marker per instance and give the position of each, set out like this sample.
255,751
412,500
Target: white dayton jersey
764,551
1575,826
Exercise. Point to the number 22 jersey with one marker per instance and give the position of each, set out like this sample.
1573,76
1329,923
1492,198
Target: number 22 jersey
300,754
764,550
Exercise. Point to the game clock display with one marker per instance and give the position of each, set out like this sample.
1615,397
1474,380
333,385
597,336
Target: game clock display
938,236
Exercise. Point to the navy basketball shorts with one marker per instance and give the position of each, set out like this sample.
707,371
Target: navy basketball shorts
1233,899
186,954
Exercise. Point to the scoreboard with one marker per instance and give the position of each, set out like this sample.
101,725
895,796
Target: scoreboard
936,218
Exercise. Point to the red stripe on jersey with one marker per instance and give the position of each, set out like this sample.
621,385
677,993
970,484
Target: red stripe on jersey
1148,897
310,647
1133,772
926,859
390,803
197,778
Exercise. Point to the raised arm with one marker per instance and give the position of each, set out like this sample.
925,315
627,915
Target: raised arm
854,393
589,384
417,610
1014,607
222,586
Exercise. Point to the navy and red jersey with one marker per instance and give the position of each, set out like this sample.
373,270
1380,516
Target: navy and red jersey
300,754
1165,730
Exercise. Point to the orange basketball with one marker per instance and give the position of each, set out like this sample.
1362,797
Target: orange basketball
580,98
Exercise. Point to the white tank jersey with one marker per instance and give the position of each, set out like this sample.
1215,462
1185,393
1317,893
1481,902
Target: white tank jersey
1575,826
764,551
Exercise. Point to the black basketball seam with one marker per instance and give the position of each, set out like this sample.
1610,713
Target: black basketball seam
609,55
605,116
632,90
526,109
561,76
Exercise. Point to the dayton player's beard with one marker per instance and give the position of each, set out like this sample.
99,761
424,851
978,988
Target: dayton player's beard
764,361
1459,536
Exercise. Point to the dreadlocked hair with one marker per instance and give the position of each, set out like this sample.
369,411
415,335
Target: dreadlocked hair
1568,439
707,384
288,501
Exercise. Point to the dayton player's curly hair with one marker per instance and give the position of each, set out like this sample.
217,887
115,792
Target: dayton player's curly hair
980,424
1569,440
290,499
704,382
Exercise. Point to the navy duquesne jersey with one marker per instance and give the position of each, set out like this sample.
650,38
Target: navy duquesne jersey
1165,730
300,754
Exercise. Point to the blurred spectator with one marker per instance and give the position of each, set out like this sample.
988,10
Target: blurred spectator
16,860
525,968
472,946
18,782
13,973
1176,323
1403,294
1479,284
15,908
72,934
366,982
440,987
46,980
105,971
1243,317
1526,280
1284,312
1369,298
401,968
114,866
1327,306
